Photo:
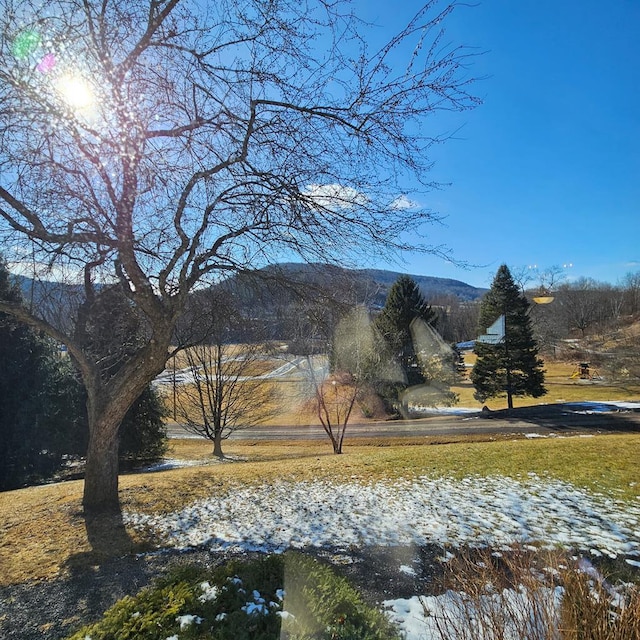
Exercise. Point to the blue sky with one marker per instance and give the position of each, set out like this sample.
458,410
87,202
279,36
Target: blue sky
547,170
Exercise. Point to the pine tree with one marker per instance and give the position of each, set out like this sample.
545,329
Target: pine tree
43,414
404,305
511,367
36,399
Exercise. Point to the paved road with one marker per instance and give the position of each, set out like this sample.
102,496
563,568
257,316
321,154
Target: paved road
559,418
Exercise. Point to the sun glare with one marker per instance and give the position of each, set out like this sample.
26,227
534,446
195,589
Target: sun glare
76,92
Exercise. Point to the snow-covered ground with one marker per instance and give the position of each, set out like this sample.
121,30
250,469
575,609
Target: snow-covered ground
495,511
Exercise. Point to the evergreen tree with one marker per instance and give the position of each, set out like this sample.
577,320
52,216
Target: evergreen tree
43,414
403,306
143,435
511,367
37,399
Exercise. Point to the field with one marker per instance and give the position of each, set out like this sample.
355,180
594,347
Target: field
289,395
461,488
43,531
561,387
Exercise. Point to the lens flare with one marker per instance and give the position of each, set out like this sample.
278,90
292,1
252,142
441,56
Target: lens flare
25,44
75,91
47,63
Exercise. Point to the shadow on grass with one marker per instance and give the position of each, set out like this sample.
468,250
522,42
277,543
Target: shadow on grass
108,538
601,416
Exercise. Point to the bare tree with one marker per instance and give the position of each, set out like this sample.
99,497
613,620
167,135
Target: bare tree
334,402
163,142
355,357
456,319
631,289
224,387
225,392
580,302
549,320
611,305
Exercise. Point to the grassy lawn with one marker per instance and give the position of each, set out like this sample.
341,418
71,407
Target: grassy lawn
561,387
42,530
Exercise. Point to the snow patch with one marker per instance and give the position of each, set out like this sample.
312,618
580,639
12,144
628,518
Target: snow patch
187,620
508,615
494,511
410,571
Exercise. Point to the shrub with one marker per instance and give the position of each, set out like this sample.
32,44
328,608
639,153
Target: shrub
280,596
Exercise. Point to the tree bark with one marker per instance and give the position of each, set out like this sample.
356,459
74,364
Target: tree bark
107,406
217,445
101,475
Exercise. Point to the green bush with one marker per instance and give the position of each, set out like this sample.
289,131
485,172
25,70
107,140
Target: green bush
280,596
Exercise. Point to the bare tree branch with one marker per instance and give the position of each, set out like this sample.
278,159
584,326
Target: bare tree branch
167,141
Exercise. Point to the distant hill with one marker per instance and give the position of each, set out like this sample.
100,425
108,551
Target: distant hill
373,279
379,280
277,296
39,290
57,302
430,286
292,300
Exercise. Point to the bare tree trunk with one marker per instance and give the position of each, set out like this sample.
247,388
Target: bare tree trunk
107,406
217,445
101,476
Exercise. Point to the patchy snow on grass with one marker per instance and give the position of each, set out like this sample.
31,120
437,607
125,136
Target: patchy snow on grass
496,511
474,511
173,463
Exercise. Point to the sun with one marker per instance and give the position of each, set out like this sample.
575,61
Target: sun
76,92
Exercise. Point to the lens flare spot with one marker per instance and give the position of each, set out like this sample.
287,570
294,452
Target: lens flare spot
47,63
25,44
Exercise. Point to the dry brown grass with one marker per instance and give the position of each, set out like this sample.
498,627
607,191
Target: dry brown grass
42,531
41,527
533,594
182,357
287,402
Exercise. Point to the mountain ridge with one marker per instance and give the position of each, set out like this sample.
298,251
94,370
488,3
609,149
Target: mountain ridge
430,286
381,279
